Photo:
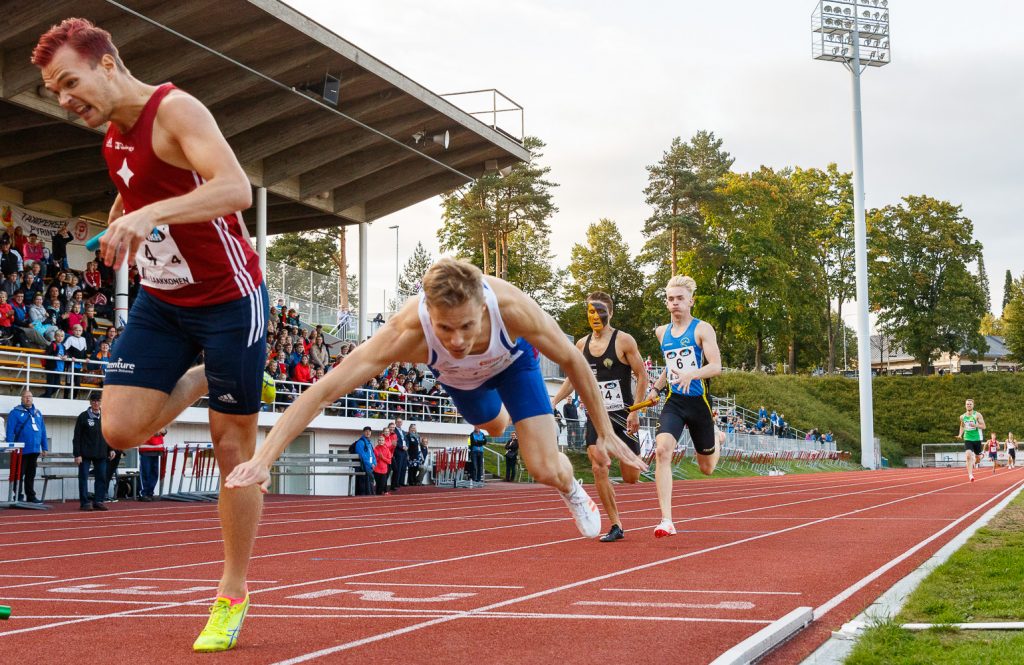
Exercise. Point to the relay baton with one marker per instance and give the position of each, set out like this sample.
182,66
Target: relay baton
643,405
94,242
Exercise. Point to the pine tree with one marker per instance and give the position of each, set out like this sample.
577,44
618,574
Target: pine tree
410,281
1007,289
983,281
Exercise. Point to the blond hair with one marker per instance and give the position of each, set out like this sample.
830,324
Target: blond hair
451,283
683,281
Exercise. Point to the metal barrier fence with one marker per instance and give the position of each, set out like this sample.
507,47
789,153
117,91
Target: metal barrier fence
84,376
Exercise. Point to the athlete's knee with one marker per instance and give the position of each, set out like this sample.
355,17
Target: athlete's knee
630,475
707,463
120,437
664,451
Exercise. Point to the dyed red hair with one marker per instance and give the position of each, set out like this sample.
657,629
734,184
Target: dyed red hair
80,34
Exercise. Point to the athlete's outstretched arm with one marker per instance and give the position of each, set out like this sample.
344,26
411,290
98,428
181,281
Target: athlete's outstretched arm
566,388
193,135
392,342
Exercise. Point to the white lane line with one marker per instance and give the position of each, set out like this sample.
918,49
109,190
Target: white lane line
189,579
714,591
829,605
442,518
433,622
130,517
724,605
451,585
40,577
386,615
913,477
179,604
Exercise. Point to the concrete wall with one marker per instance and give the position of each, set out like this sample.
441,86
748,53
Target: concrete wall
325,433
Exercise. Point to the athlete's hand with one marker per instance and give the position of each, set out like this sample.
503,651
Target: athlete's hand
124,236
249,473
614,446
633,422
682,380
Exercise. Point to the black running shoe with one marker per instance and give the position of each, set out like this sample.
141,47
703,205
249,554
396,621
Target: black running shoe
614,533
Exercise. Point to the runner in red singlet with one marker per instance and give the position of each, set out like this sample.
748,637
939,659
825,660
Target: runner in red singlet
177,218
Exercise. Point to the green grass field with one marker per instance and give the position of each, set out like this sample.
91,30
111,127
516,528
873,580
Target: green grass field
983,581
909,411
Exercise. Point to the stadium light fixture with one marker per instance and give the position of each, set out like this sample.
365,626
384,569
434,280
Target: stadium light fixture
868,30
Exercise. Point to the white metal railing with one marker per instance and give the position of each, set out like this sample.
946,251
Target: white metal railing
77,382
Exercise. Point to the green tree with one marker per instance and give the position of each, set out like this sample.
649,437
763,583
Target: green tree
684,179
410,280
990,325
831,193
321,251
1007,288
983,280
1013,320
486,220
927,299
603,263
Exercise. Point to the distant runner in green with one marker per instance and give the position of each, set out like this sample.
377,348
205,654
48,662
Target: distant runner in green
972,431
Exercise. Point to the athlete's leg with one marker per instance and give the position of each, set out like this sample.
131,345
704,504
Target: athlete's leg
665,446
234,441
497,426
969,456
134,414
604,488
537,446
707,463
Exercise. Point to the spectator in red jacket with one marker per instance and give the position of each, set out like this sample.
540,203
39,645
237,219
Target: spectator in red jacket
149,464
303,372
380,472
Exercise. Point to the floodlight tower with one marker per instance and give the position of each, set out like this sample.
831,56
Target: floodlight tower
856,33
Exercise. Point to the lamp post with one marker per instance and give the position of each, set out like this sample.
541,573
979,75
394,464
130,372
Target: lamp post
397,297
856,33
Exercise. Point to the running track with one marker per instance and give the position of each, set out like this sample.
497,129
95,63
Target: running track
497,575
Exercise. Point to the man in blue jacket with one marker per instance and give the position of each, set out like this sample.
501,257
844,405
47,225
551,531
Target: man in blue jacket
476,453
25,424
364,448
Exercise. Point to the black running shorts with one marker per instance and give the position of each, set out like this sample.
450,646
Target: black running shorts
692,412
618,419
973,446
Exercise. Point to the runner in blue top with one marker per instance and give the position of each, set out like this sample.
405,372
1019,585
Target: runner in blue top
691,356
478,335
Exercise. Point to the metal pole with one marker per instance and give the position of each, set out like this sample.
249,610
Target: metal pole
397,303
121,296
867,430
261,227
363,228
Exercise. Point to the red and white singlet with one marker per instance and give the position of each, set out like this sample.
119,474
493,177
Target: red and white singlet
190,265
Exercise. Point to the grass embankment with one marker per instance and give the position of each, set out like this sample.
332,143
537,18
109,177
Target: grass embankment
908,411
981,582
582,468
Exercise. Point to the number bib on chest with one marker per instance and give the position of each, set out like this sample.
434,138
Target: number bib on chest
611,394
160,262
681,360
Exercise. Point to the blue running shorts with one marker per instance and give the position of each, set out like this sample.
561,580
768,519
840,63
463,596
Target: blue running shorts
520,387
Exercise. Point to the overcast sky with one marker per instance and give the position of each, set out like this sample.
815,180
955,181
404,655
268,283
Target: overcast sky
607,85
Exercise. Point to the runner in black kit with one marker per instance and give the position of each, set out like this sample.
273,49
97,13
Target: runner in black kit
691,356
614,359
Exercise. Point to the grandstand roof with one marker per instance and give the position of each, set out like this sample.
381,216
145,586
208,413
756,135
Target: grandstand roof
254,64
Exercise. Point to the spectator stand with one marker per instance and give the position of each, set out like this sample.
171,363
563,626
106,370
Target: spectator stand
14,482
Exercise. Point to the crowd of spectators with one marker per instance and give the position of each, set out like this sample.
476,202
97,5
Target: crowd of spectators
45,304
393,458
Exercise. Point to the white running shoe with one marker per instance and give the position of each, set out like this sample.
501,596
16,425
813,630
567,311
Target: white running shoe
664,528
584,510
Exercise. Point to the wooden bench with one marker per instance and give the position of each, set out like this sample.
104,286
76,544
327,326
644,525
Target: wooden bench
313,464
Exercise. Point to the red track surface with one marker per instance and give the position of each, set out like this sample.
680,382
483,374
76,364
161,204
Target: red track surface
498,575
